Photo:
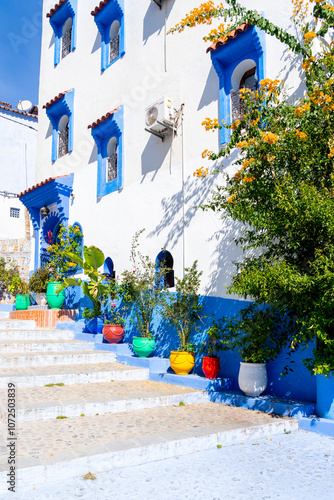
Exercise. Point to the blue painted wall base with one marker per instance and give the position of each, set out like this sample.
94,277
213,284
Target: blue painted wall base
325,396
318,425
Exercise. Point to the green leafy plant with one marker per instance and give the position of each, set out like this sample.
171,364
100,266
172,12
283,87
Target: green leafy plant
68,242
141,288
258,334
212,344
182,309
114,315
281,191
18,286
39,279
8,271
97,287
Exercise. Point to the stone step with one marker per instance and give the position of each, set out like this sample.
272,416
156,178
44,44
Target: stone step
70,374
70,447
4,314
15,324
46,403
54,358
53,345
36,334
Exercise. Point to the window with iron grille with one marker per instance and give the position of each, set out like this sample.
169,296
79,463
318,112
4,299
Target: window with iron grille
63,142
112,167
114,48
248,81
14,212
66,43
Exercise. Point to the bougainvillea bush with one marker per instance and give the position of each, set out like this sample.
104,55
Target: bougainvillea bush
282,191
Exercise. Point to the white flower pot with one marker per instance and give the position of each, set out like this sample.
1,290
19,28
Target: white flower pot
252,378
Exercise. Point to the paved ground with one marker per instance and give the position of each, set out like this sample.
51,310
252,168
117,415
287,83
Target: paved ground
293,466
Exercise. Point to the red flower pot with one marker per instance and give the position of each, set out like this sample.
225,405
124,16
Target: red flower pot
113,333
211,366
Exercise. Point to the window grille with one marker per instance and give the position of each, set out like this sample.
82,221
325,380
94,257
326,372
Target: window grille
112,167
63,142
66,43
114,48
248,81
14,212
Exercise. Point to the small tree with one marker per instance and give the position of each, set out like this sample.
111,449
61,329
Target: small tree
282,191
182,309
141,288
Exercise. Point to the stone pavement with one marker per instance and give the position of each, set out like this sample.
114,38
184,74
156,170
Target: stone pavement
292,466
103,415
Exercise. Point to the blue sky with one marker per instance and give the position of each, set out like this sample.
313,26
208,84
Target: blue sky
20,42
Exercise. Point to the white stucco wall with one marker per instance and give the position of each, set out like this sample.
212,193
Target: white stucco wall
18,140
154,171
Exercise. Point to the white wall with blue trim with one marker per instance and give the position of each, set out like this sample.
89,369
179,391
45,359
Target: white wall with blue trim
157,190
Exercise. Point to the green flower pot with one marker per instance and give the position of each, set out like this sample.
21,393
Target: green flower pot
142,346
55,300
22,302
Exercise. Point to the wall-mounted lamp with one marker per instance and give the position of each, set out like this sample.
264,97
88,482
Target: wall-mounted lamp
45,211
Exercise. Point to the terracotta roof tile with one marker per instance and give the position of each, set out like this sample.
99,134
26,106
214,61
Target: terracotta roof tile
55,99
99,7
55,8
233,34
103,118
3,103
18,111
41,184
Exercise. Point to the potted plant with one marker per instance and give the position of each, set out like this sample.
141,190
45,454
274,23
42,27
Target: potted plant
211,346
38,284
182,310
97,288
258,333
20,289
60,265
141,288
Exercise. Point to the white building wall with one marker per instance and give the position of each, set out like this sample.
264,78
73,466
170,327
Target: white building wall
160,192
18,139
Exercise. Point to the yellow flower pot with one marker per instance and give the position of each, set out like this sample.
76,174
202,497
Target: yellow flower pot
182,362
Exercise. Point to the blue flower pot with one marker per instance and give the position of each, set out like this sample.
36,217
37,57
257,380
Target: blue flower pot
95,325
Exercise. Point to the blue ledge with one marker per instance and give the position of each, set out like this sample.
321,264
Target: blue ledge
318,425
6,307
118,349
194,381
89,337
266,403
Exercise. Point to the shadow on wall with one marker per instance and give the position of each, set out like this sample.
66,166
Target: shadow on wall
97,43
211,90
154,19
195,194
154,154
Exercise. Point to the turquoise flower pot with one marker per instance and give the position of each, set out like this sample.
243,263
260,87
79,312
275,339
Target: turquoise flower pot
142,346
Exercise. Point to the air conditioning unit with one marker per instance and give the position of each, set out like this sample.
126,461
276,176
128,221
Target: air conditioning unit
161,111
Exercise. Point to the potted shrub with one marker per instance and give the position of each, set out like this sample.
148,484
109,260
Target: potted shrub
60,265
38,284
20,289
210,347
97,288
113,329
182,310
258,334
8,271
141,288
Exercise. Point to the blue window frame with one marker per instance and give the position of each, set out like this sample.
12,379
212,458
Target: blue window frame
231,61
63,20
57,111
108,135
109,19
